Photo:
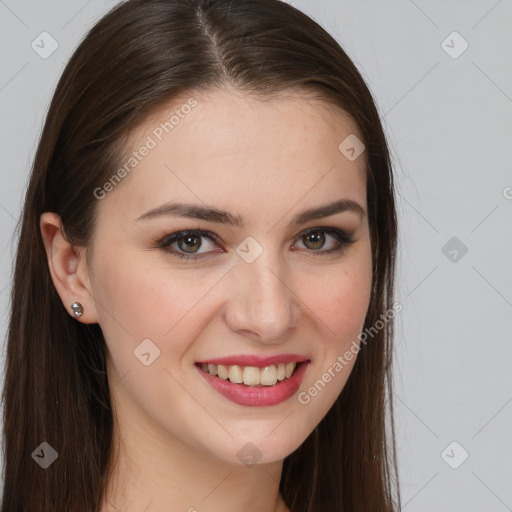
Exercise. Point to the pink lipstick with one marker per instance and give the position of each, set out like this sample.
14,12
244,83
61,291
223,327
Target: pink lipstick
255,381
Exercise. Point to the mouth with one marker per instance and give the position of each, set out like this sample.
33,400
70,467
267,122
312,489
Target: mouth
251,376
253,381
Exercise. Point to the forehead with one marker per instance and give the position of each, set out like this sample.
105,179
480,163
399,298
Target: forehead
234,150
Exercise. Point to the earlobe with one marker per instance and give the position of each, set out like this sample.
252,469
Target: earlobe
66,264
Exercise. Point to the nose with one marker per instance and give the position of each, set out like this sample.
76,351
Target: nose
263,304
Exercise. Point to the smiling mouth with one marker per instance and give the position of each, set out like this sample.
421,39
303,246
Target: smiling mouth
252,376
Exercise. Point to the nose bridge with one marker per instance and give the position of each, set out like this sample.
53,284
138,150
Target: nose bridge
265,304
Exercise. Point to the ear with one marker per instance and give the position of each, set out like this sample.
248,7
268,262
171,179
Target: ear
68,268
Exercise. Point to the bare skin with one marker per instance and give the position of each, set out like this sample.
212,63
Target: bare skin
178,440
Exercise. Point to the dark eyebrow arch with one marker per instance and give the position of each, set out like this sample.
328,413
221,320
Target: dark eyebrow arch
223,217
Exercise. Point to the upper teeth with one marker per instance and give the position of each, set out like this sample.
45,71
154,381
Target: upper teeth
251,375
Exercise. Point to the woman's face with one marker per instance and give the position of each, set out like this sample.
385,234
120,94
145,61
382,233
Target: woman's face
267,283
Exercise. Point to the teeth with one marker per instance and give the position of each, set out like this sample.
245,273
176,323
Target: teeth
269,376
281,371
222,372
251,375
289,369
235,374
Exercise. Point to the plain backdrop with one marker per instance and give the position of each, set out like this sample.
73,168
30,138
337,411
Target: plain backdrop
441,76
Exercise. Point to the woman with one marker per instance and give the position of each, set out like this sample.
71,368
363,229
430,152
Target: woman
202,304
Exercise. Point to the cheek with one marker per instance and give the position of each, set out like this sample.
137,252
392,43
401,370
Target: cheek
341,301
139,299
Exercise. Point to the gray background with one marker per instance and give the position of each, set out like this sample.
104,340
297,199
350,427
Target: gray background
448,122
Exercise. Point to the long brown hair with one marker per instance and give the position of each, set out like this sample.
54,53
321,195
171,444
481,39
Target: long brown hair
134,60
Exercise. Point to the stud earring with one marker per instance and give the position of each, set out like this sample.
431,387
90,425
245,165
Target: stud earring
77,308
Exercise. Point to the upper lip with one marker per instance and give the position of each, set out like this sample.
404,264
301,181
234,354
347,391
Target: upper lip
257,361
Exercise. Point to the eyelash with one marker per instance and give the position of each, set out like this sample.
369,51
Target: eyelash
341,236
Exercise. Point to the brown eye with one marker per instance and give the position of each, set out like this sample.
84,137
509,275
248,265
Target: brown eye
316,240
189,243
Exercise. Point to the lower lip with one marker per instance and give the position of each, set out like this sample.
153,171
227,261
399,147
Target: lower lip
252,396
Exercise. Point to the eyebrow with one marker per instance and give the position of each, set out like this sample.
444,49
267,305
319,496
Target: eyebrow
211,214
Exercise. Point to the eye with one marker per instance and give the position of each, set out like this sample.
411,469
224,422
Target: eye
186,244
315,239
